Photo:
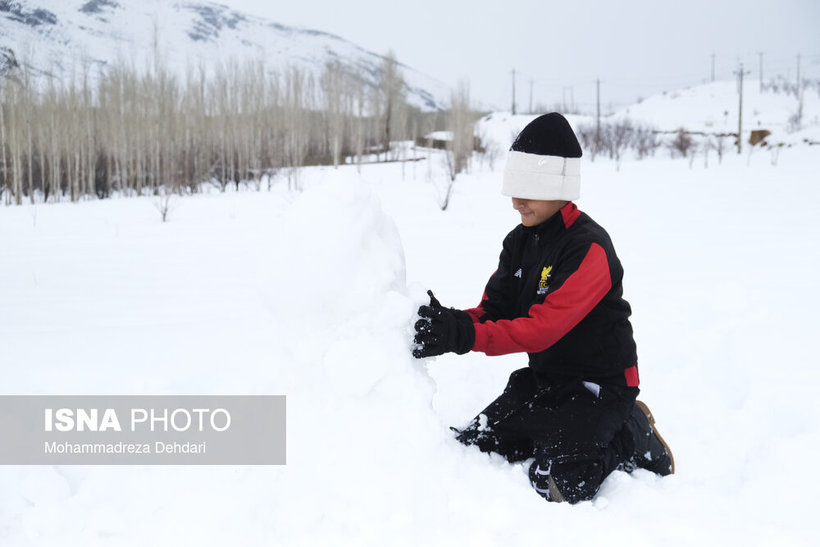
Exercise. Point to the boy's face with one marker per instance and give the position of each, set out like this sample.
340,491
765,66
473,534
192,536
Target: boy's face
535,211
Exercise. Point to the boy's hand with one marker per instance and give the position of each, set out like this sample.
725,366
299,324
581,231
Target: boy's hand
441,330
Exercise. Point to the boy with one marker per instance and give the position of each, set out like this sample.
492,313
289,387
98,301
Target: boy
557,295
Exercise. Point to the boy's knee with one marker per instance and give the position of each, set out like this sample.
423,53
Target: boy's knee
512,449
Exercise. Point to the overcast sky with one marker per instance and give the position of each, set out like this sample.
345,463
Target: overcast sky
636,47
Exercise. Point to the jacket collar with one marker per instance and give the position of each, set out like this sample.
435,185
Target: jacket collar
556,224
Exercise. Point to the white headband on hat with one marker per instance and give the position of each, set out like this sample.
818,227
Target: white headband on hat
531,176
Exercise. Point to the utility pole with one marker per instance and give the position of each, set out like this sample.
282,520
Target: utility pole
513,92
740,110
713,67
531,82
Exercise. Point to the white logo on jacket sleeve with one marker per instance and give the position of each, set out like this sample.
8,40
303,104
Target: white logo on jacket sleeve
518,273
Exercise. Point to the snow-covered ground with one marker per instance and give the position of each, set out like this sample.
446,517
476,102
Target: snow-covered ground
312,295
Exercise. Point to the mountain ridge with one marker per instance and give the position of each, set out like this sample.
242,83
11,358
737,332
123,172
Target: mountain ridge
53,38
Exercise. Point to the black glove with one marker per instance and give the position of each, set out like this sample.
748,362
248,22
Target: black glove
441,330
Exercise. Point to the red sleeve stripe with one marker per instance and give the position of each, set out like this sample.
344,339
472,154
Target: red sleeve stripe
549,321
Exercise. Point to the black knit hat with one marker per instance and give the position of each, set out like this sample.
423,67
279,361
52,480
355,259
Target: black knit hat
548,135
544,161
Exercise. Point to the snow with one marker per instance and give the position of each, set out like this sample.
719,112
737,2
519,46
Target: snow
312,295
445,136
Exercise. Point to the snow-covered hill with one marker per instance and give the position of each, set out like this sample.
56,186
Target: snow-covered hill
708,109
714,107
59,37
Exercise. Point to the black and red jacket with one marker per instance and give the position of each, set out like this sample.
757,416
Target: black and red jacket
558,295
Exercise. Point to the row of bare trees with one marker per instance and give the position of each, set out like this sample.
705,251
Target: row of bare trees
136,132
615,138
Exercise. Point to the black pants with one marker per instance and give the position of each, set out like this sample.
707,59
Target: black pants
574,430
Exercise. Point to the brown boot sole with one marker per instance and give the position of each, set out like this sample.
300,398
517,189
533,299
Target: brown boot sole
651,419
555,494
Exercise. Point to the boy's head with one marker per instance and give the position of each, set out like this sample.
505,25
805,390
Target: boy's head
544,162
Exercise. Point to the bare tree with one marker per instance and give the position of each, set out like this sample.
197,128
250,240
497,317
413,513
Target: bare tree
591,139
295,124
460,122
795,122
682,144
162,203
720,145
645,142
461,125
391,88
3,141
620,136
332,82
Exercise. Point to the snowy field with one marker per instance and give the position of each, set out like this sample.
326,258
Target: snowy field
312,295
